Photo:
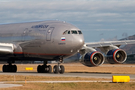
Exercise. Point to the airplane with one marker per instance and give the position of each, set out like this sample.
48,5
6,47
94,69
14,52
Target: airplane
53,41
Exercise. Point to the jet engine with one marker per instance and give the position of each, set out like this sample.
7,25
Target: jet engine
116,56
92,59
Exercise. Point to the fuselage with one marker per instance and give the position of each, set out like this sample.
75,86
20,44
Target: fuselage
48,40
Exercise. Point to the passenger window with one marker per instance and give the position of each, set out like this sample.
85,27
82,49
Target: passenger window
79,32
74,32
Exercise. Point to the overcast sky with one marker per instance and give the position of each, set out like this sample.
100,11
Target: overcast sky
98,19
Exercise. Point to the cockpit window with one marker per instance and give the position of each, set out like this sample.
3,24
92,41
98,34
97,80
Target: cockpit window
68,32
74,32
79,32
65,32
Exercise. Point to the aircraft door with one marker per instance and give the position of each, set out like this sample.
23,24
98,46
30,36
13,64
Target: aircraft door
49,33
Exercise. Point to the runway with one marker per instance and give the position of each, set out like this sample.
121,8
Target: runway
82,75
93,73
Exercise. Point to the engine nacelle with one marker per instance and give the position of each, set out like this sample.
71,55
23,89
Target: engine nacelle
116,56
92,59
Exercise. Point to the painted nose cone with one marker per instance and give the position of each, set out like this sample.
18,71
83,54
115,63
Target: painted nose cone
81,40
78,42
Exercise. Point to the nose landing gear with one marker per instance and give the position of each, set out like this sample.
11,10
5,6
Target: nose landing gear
58,69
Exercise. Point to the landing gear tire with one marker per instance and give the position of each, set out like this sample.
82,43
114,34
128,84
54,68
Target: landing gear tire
44,69
49,68
4,69
62,69
39,69
9,68
14,68
56,69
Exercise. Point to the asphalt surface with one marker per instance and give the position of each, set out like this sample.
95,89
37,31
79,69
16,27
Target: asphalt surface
74,74
83,75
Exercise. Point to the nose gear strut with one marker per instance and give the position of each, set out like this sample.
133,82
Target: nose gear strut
59,68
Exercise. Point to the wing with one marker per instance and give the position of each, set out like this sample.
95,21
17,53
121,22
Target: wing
6,48
109,43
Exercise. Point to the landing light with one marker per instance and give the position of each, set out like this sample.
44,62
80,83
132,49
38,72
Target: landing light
81,40
71,50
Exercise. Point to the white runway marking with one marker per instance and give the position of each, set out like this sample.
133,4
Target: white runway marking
2,85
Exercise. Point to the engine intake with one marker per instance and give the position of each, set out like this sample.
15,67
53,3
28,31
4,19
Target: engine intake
118,56
92,59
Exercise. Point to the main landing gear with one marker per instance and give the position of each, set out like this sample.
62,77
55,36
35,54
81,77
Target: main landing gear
44,69
9,68
48,68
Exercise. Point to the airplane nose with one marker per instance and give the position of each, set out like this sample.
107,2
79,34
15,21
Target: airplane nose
78,42
81,41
